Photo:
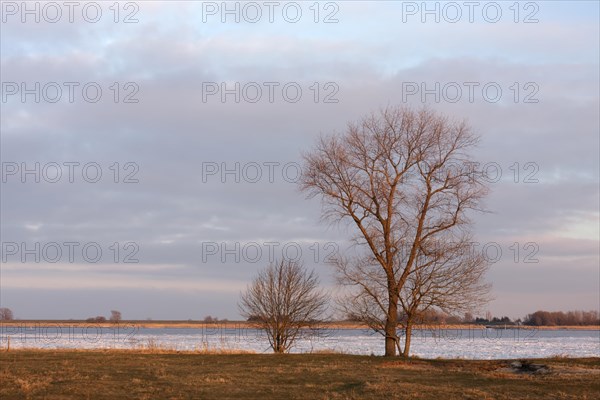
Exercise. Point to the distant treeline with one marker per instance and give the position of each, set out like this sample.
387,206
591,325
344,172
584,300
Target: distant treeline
538,318
558,318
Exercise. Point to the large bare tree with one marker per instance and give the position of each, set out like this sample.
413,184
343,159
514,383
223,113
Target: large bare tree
282,300
404,179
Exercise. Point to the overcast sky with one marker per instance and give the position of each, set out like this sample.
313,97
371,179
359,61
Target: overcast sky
201,122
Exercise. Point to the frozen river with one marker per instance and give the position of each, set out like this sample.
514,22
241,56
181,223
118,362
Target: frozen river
426,343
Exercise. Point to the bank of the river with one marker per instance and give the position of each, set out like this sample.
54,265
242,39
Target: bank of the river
246,324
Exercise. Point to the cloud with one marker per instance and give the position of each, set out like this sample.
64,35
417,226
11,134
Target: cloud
172,134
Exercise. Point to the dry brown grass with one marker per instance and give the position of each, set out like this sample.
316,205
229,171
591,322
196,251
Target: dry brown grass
156,373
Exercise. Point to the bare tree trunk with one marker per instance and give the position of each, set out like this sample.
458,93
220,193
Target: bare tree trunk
391,324
407,337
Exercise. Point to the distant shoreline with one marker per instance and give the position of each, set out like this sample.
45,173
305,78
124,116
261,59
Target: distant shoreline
247,325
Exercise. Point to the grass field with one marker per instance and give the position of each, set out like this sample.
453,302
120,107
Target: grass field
52,374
